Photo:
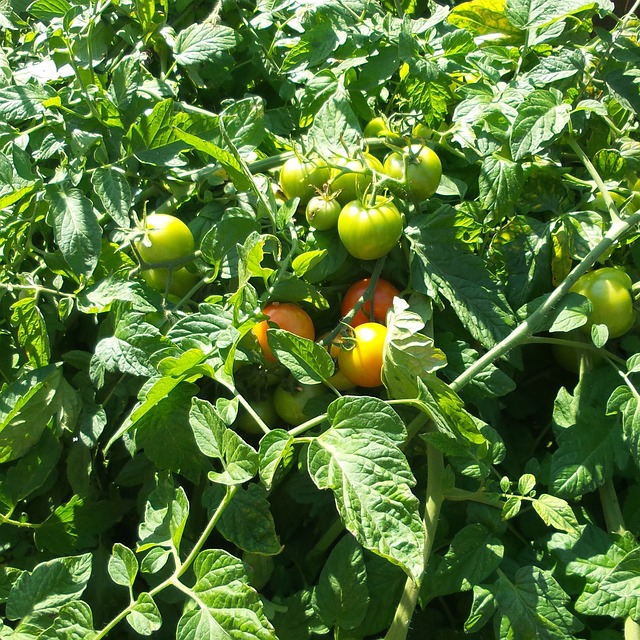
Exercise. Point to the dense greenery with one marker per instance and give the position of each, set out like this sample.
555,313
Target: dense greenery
149,485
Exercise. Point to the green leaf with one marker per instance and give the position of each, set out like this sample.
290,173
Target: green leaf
309,362
335,125
145,617
21,103
374,500
482,17
473,555
556,512
501,182
482,609
76,228
535,605
590,444
49,586
47,9
26,406
536,13
542,118
202,42
239,461
165,516
342,596
246,521
100,297
616,592
276,456
123,565
114,192
232,609
314,46
31,329
72,622
461,277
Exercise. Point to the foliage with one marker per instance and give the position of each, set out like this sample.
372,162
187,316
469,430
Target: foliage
482,488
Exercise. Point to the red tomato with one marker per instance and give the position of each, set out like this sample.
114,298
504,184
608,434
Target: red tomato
382,296
285,315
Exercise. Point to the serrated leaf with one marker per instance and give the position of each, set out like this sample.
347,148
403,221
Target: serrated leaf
232,609
50,585
276,456
239,461
556,512
165,516
73,621
246,521
473,555
202,42
542,117
482,17
114,192
309,362
21,103
535,605
76,229
501,181
26,407
374,500
535,13
123,565
144,617
31,328
100,297
342,596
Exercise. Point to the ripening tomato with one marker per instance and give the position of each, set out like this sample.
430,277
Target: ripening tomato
609,291
166,239
285,315
302,178
322,212
423,170
363,363
383,294
182,280
370,230
353,178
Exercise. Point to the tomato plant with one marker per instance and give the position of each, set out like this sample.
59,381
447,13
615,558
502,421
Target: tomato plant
284,315
418,168
382,296
369,230
362,363
322,212
290,401
352,177
165,239
301,178
609,291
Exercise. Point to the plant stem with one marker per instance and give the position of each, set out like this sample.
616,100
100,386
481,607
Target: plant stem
535,322
435,496
631,629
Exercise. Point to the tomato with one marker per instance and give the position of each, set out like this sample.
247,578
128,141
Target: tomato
166,239
351,184
569,357
182,280
609,290
421,130
363,363
340,382
322,212
382,296
285,315
290,402
376,128
265,408
369,231
424,170
302,178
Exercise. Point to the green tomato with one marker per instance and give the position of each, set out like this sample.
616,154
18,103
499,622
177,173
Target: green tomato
302,178
599,204
322,212
369,231
166,239
182,280
266,410
423,170
351,180
261,568
290,403
609,291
